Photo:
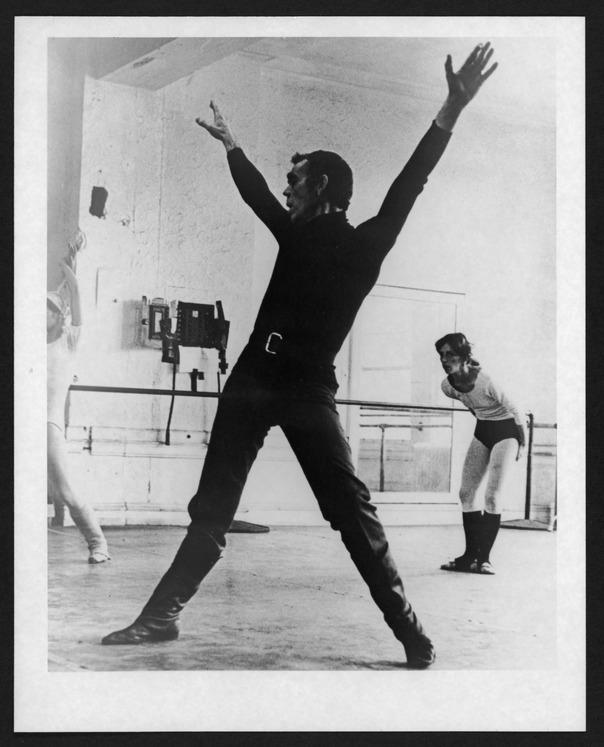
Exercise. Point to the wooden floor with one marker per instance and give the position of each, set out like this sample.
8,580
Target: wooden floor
292,600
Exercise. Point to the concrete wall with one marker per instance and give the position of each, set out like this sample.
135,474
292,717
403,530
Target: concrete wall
175,227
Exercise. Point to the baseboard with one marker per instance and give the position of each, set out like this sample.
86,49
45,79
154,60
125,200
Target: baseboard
389,515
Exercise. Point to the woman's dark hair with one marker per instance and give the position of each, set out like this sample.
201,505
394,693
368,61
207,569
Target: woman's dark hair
459,345
339,175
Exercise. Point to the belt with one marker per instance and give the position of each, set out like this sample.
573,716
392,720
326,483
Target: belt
275,344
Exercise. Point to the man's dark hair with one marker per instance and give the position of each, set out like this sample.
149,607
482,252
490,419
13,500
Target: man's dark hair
339,175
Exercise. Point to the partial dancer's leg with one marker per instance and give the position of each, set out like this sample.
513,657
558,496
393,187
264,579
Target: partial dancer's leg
502,458
238,432
474,469
58,520
316,436
61,492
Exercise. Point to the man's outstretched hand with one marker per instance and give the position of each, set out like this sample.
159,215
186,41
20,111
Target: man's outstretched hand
464,84
219,129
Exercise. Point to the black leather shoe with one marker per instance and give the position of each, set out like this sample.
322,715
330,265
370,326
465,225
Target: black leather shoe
147,631
462,564
420,651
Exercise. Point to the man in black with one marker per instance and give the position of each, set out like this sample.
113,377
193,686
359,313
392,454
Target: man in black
285,374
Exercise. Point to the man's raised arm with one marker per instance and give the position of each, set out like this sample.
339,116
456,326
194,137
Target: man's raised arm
251,184
463,86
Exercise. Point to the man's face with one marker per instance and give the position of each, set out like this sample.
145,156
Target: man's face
301,199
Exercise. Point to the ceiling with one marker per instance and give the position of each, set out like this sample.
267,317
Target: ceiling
525,78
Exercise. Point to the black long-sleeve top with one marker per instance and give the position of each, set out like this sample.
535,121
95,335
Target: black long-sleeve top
325,267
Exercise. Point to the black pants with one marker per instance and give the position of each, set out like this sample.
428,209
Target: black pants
305,410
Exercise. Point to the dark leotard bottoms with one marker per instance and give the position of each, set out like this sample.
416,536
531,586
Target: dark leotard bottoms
490,432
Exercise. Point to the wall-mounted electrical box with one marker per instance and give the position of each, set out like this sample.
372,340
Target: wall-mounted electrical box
153,313
167,326
194,323
159,311
196,326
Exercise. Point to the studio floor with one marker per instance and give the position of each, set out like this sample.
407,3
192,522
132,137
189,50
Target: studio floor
291,599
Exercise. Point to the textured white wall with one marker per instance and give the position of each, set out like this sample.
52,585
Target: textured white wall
122,152
177,228
207,235
485,226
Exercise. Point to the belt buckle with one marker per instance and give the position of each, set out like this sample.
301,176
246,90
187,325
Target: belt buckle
269,340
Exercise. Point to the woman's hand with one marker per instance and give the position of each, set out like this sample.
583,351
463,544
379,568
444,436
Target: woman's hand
464,84
521,441
220,129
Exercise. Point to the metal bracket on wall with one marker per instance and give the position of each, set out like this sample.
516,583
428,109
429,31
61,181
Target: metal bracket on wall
88,446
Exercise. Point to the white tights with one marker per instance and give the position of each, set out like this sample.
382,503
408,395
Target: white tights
477,462
60,491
